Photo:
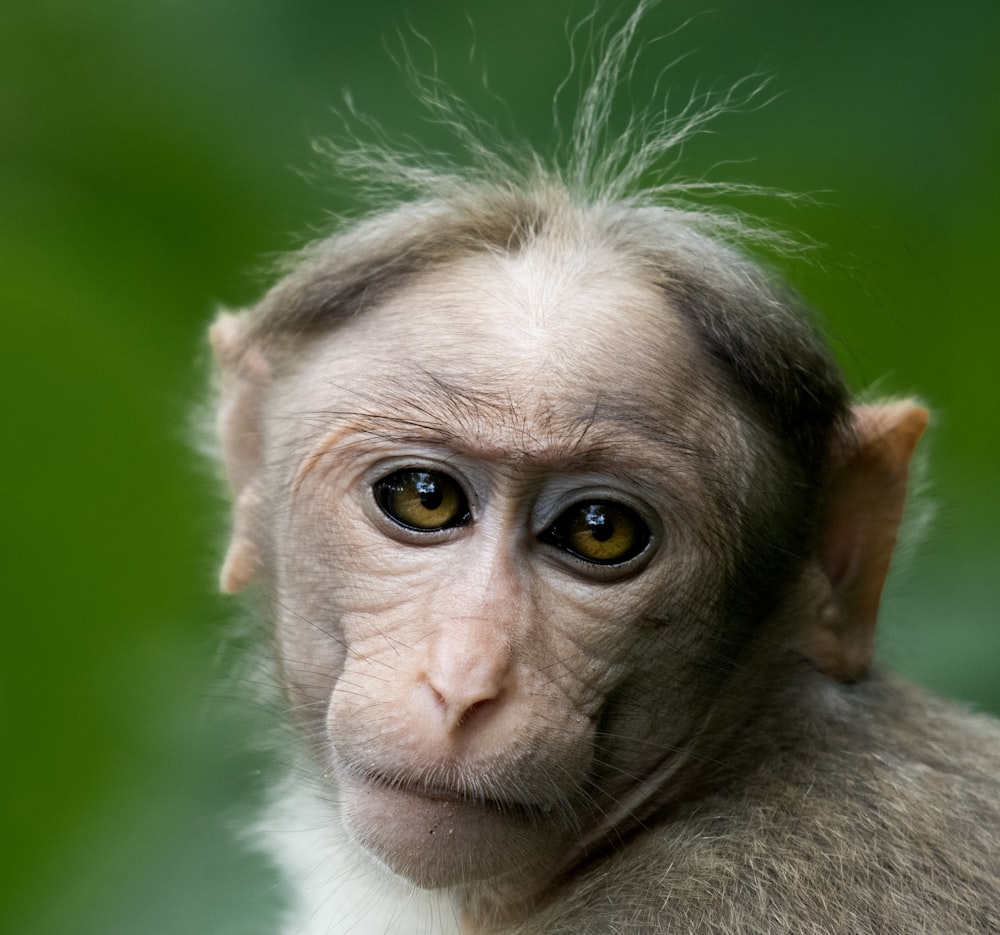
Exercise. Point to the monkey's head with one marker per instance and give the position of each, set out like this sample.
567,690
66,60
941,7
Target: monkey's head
539,495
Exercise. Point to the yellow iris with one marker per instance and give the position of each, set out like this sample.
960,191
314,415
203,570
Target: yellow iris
602,532
422,500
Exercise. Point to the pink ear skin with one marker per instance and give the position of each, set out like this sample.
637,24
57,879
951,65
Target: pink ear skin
863,513
245,375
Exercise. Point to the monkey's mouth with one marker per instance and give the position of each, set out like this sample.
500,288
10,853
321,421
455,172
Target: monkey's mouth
445,794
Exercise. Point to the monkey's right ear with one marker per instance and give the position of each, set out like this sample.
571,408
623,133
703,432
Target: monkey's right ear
245,377
863,513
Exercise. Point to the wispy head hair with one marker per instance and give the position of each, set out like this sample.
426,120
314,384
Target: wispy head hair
597,160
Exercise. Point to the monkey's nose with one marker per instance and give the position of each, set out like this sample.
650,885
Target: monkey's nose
459,705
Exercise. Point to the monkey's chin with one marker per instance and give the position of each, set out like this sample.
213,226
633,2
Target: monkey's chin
438,839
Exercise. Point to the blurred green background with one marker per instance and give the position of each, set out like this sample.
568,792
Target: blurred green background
148,161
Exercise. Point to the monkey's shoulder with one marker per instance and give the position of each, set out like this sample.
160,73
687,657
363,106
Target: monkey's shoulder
870,808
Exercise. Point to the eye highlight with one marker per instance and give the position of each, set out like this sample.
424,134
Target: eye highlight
424,501
601,532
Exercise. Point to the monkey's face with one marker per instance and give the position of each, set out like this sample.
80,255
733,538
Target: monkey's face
498,537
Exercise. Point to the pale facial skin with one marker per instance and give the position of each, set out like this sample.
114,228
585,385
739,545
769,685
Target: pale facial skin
494,559
541,572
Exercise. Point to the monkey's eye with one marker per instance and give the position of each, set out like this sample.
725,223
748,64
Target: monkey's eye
600,531
425,501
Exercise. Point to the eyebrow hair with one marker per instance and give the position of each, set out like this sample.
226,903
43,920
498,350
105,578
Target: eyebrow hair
427,409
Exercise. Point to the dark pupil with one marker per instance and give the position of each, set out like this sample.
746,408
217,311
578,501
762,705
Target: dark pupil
601,527
430,497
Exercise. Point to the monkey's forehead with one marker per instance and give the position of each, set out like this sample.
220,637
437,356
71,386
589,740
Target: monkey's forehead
533,357
570,327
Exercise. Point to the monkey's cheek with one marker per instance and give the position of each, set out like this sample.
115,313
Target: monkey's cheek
437,842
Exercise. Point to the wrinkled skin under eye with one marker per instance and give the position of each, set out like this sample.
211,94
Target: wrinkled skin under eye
601,532
424,501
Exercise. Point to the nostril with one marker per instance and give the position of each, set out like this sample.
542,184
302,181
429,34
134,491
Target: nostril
471,710
440,699
457,707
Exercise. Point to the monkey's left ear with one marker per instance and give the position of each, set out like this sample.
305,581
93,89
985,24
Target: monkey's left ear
863,513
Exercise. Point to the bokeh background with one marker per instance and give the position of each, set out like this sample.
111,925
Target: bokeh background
151,156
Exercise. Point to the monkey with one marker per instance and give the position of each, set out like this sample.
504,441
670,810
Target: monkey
571,540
